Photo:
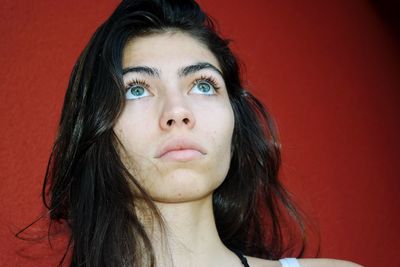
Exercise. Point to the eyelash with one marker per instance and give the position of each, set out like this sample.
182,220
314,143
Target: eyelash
208,79
202,78
137,82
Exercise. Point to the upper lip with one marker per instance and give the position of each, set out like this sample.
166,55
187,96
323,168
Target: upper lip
179,144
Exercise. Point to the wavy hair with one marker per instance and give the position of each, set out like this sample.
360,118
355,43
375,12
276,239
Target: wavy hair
87,186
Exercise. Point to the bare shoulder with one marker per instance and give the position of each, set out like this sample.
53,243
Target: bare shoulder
327,263
257,262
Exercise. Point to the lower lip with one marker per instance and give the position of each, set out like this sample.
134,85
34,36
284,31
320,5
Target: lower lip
182,155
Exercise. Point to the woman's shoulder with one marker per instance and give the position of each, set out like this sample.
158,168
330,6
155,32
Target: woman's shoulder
257,262
327,263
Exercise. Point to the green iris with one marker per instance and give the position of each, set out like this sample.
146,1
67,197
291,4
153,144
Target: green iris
204,87
137,91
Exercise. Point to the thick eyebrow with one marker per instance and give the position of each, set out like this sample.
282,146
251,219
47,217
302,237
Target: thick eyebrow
185,71
142,69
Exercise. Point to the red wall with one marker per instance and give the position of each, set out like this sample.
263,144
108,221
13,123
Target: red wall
327,70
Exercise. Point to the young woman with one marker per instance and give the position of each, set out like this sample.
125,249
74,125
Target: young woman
162,157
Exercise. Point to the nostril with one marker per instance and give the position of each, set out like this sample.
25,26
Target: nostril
185,121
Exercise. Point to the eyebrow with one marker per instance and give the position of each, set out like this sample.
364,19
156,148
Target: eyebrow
182,72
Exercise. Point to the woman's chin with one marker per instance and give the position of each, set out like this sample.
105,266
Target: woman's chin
183,187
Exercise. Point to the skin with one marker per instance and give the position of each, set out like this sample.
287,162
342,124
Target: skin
173,108
167,107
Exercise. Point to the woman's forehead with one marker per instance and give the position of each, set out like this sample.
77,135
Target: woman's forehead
165,50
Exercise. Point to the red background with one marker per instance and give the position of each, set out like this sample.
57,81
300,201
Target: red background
329,71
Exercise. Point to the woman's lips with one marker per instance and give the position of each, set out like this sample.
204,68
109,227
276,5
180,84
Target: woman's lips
182,155
180,149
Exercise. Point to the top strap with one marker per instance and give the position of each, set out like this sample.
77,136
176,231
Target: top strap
241,257
289,262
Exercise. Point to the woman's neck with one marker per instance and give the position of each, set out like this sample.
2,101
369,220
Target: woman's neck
190,237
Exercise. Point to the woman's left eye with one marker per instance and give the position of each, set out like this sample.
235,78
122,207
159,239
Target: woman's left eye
204,87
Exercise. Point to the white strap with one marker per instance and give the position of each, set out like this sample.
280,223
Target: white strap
289,262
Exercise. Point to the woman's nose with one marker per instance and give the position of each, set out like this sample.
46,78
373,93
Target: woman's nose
176,113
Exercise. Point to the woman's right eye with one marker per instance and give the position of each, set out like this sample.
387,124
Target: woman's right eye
136,91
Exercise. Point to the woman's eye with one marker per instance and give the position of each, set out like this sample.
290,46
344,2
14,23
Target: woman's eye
203,87
136,92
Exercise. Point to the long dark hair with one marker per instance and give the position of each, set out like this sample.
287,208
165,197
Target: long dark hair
88,187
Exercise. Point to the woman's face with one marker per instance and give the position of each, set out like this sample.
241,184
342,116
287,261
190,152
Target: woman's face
176,127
